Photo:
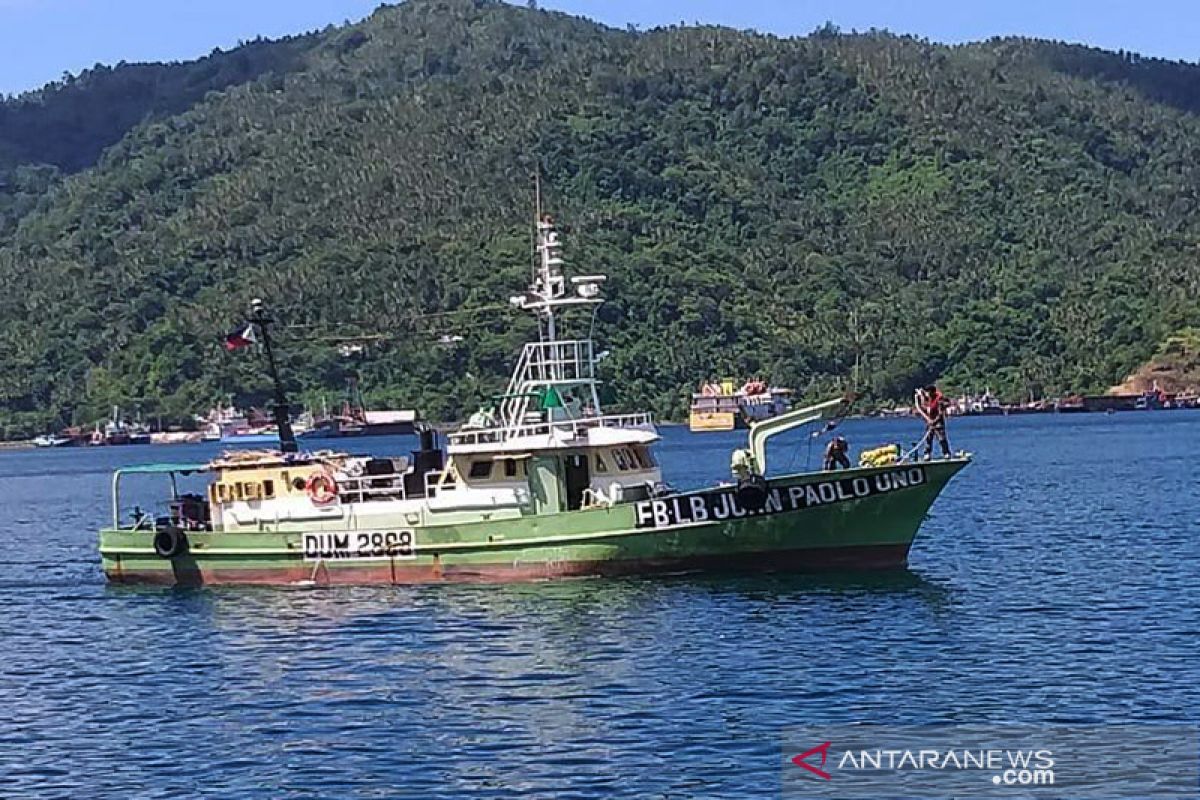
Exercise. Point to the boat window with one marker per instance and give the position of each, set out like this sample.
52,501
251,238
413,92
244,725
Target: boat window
642,457
635,458
510,467
619,457
268,489
238,492
600,465
647,457
222,495
481,469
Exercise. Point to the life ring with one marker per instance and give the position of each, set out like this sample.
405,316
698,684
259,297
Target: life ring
322,489
170,542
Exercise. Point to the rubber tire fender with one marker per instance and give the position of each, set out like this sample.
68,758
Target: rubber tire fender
170,542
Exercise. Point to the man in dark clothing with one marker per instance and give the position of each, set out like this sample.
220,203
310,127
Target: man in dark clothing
931,405
835,454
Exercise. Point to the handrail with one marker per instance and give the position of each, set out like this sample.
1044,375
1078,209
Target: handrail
546,364
761,431
358,486
572,426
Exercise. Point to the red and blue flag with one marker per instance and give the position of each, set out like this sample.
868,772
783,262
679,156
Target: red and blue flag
242,337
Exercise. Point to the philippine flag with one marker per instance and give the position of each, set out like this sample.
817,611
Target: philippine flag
242,337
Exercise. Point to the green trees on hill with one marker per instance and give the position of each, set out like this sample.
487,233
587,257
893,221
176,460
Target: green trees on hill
1014,214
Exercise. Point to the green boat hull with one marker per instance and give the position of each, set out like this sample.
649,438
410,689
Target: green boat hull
861,519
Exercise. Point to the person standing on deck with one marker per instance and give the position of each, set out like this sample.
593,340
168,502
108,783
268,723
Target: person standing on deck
835,454
931,405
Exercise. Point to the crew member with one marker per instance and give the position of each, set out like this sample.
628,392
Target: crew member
931,405
835,454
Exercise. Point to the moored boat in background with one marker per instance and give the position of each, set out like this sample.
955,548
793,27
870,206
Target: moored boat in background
353,419
53,440
724,406
118,430
972,405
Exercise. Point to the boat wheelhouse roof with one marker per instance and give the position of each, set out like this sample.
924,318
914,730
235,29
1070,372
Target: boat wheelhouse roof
385,417
606,431
164,469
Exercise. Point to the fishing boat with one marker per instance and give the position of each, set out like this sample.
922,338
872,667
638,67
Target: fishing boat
233,427
724,406
118,430
548,486
983,405
353,419
222,421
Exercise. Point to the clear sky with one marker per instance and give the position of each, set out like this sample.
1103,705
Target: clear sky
41,39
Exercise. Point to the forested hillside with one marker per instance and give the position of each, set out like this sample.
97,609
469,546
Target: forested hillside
1015,214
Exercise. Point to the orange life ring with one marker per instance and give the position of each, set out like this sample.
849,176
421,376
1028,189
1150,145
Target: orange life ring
322,489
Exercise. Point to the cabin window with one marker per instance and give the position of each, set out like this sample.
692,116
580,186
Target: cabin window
268,489
481,469
251,489
619,457
222,495
600,465
510,467
647,457
642,456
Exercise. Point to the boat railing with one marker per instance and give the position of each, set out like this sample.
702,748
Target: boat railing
551,362
573,428
360,488
436,483
545,364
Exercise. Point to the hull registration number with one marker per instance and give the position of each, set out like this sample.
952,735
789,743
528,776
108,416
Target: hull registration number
360,545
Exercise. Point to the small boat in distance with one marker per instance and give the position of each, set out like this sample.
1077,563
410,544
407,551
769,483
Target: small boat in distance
722,406
53,440
225,423
982,405
551,486
118,430
353,419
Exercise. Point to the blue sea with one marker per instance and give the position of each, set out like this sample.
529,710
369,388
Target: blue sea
1057,580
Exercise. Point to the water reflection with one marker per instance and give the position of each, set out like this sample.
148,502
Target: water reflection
1041,589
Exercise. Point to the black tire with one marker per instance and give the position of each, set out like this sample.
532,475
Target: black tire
751,493
170,542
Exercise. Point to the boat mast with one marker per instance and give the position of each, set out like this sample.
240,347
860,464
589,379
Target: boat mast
547,258
552,363
283,421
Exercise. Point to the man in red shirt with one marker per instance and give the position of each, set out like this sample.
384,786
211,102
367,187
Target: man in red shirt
932,405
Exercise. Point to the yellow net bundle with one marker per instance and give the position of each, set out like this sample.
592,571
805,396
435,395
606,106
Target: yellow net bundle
880,456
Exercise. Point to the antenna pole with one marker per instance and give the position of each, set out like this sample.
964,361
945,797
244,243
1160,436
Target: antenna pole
537,193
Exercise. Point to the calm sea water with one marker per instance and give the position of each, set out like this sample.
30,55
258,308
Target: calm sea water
1056,580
